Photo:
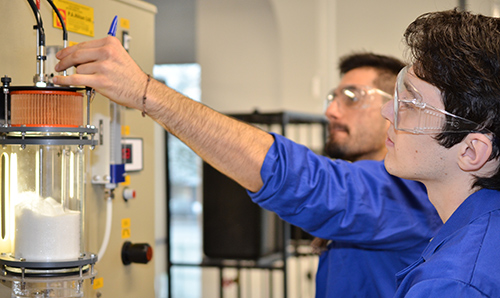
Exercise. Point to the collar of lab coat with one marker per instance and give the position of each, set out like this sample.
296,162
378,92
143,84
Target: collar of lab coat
476,205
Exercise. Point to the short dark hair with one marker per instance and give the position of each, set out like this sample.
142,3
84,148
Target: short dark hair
459,53
387,68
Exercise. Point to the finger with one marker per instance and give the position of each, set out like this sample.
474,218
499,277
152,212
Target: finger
96,43
88,68
86,52
100,83
75,80
81,56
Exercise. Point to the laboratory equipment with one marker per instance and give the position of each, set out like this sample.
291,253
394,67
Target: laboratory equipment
44,138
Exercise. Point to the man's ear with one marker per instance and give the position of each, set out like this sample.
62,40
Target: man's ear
475,152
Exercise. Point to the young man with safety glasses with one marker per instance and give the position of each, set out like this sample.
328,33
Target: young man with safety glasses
445,122
456,58
347,267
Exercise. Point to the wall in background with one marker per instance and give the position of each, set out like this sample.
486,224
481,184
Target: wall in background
175,34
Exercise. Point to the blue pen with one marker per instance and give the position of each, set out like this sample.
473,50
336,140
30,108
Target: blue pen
117,166
112,28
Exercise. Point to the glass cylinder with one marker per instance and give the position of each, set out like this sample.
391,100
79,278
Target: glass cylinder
43,150
66,289
42,202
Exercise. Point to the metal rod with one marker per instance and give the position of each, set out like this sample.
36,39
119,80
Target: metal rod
6,83
238,278
221,282
462,5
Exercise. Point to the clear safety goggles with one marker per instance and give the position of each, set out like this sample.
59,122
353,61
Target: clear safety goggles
413,115
355,96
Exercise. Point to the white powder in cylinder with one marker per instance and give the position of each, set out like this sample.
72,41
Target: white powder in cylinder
44,231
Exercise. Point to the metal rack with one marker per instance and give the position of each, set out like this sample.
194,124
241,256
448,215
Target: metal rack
278,260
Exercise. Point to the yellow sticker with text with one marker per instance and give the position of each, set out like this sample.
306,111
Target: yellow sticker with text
98,283
125,233
125,130
126,223
127,181
124,23
78,18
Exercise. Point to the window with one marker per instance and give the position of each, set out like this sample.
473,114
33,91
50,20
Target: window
185,193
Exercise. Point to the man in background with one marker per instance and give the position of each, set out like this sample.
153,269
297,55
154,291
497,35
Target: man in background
357,131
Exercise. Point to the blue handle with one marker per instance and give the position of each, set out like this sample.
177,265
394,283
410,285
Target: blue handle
112,28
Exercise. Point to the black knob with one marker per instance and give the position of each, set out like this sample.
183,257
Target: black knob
6,81
136,253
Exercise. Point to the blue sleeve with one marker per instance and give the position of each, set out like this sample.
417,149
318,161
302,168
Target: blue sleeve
443,288
351,202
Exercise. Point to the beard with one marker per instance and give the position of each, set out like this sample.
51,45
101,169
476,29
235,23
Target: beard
337,151
333,147
346,146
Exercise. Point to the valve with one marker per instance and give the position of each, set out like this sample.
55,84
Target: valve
136,253
128,193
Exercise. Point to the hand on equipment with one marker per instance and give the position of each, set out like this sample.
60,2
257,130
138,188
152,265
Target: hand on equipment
104,65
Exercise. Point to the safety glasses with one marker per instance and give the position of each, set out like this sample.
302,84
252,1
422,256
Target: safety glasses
355,96
413,115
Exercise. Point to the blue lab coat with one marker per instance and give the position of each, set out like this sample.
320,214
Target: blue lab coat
463,259
379,224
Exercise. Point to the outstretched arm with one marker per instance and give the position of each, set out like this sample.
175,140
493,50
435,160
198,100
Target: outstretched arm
233,147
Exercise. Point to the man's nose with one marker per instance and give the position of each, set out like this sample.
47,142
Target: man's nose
387,110
334,110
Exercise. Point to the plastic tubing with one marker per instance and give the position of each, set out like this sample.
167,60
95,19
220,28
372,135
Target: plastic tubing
39,23
65,32
107,232
63,25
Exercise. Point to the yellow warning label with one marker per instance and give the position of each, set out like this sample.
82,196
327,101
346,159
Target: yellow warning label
125,23
98,283
126,182
125,130
126,223
78,18
125,233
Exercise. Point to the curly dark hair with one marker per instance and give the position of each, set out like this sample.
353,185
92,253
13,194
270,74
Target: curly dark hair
387,68
459,53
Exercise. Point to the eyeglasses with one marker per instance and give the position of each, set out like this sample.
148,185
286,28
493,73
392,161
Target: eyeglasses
413,115
355,96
